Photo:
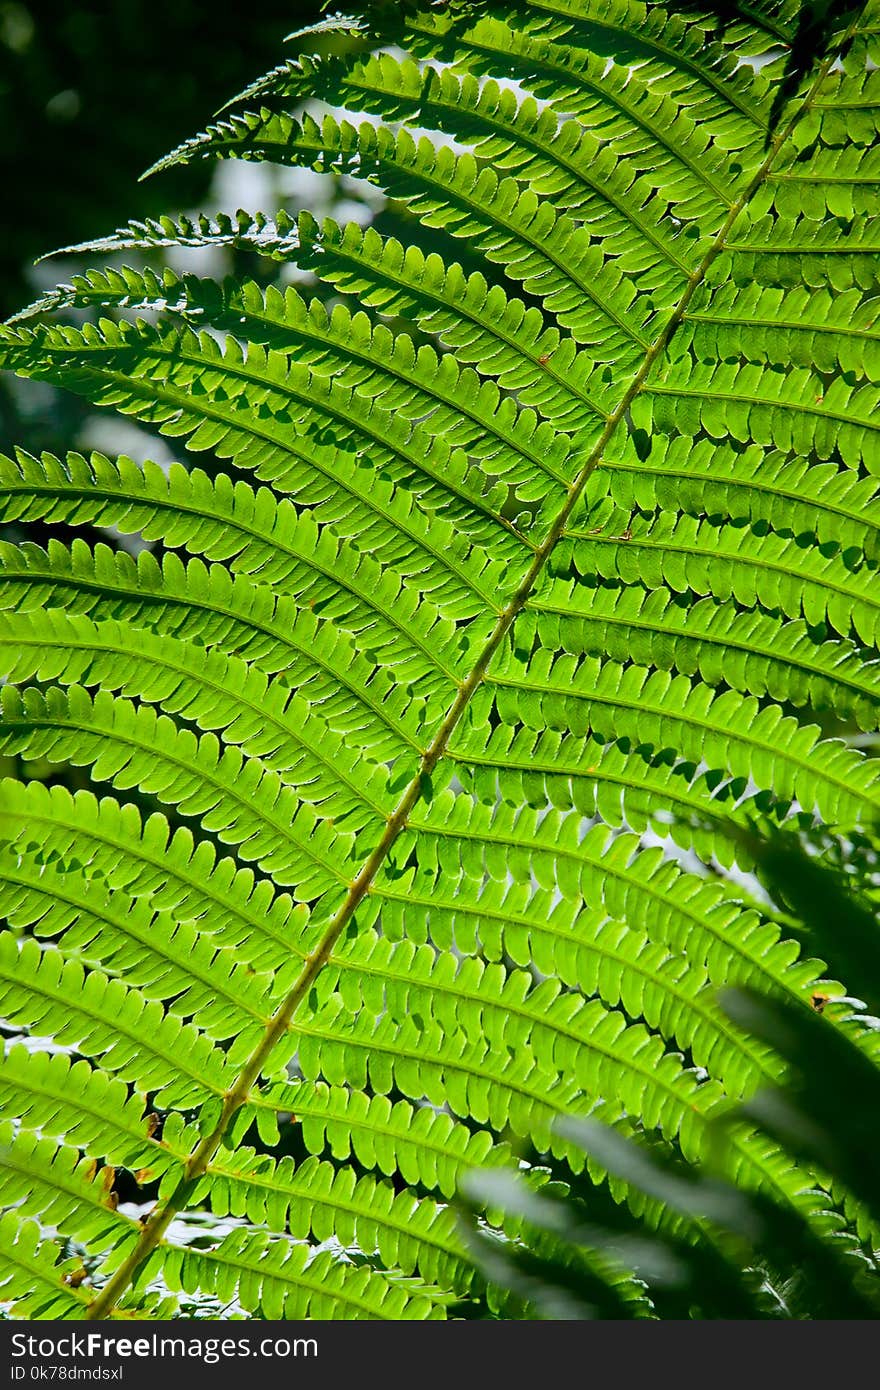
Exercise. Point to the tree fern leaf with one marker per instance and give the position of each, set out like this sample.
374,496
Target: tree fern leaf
191,387
790,411
209,689
32,1274
541,592
641,887
844,179
849,114
625,786
838,507
828,331
258,536
284,1279
689,554
371,972
679,50
546,252
90,1110
245,805
748,651
412,379
598,90
584,950
427,1064
558,159
475,317
426,1146
527,1098
164,959
178,874
315,1200
211,607
730,734
48,1180
270,236
794,250
41,990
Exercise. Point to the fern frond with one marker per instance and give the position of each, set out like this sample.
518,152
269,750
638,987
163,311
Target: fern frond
529,1099
689,554
32,1274
425,1145
275,544
246,805
285,1279
641,887
80,1103
530,564
164,959
837,508
286,422
268,236
403,375
209,606
50,1181
209,689
99,1017
178,874
313,1199
746,650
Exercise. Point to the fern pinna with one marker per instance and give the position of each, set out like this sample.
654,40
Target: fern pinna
544,550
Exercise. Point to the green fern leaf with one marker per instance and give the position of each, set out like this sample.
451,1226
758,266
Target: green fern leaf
533,545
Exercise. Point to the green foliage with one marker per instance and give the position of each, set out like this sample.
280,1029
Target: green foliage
532,548
721,1251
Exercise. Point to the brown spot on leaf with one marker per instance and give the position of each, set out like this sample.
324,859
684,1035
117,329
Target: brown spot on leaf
107,1178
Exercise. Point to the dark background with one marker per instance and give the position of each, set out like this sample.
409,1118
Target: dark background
91,94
